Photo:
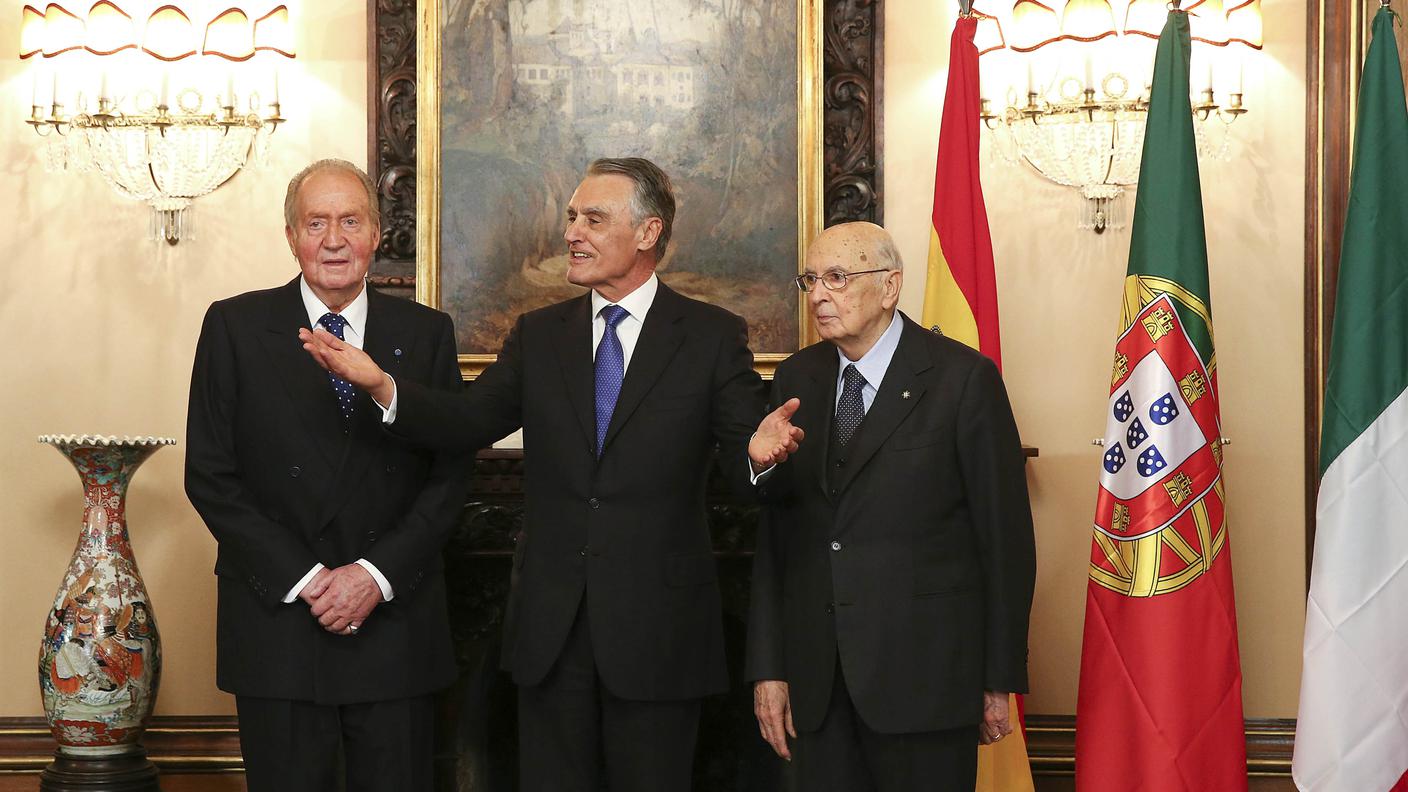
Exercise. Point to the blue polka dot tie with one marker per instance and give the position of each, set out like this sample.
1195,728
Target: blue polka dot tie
610,371
341,387
850,410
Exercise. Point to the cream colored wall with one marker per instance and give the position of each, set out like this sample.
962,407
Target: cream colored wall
1058,293
99,328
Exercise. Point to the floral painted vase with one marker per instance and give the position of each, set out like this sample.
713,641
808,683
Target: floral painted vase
100,662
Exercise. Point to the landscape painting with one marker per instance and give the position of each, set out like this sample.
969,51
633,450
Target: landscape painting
531,91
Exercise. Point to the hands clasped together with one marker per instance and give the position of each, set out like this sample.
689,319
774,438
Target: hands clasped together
341,599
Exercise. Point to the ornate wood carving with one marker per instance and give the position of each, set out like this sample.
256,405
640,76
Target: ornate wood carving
852,159
391,155
852,56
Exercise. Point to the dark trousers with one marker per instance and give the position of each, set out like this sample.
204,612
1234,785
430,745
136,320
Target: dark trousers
573,732
299,746
845,755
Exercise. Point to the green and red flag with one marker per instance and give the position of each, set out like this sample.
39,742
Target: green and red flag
1352,729
1160,701
960,298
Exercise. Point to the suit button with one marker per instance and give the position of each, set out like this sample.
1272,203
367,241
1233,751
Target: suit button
594,503
830,607
390,468
583,551
833,493
835,545
294,471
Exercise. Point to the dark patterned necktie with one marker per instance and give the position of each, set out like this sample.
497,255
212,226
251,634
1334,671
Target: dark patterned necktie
610,371
850,410
341,387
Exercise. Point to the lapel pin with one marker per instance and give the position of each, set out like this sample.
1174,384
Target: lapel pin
397,353
904,395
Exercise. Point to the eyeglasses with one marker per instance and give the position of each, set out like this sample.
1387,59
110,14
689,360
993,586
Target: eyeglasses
833,280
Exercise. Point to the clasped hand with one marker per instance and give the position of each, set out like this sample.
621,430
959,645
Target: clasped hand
341,598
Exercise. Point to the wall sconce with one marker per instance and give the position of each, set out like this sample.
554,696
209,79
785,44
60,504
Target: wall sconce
1074,87
164,104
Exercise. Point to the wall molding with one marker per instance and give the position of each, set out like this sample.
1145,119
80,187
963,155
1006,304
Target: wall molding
210,744
175,744
1051,745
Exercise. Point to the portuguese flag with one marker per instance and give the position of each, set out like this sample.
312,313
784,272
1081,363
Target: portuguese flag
960,298
1160,701
1351,732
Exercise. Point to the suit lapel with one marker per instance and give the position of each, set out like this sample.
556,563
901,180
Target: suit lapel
660,336
898,393
819,402
574,356
307,385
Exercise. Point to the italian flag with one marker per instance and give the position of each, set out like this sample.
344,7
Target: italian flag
960,300
1352,728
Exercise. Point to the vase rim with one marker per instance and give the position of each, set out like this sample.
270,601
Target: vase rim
105,440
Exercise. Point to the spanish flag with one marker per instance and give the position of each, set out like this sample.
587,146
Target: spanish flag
960,299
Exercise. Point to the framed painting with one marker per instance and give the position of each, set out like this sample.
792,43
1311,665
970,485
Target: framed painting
516,97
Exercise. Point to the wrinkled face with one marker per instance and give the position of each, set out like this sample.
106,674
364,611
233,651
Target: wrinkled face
858,313
334,236
607,250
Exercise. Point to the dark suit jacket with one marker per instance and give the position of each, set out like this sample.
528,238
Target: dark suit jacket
913,561
628,531
282,487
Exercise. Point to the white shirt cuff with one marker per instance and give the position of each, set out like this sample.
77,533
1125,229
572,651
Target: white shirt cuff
381,581
388,412
757,478
304,581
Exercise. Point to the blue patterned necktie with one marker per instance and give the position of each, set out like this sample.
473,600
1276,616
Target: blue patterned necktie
850,410
341,387
610,371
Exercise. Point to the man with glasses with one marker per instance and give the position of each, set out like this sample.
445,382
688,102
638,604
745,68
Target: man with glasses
893,579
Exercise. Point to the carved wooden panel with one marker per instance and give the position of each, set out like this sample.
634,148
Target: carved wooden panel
852,172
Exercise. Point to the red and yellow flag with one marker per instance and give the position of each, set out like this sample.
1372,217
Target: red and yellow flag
960,298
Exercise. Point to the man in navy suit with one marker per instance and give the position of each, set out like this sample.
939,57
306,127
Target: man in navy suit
613,631
331,629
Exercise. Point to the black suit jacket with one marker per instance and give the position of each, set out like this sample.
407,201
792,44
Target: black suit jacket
913,559
282,487
628,530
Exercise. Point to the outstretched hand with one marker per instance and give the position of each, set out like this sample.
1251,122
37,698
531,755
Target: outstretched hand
348,362
776,438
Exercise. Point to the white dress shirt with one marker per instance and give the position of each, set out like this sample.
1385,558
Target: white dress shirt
356,330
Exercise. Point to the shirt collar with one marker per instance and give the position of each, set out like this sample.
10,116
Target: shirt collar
355,313
637,303
876,361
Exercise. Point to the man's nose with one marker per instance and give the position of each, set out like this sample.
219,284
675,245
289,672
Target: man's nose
335,237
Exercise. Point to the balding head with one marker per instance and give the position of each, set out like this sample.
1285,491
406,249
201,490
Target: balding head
853,316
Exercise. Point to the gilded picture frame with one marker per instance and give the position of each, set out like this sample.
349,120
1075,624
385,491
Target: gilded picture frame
440,279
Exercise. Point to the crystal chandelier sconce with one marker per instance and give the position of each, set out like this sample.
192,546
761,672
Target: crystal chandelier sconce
1065,87
165,103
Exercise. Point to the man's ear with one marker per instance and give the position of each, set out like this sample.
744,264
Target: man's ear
290,236
894,282
649,233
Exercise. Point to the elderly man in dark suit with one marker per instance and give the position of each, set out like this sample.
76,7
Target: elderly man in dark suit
613,631
331,628
893,579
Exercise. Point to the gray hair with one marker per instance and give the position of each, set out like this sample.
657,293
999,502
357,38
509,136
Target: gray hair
324,165
653,196
888,253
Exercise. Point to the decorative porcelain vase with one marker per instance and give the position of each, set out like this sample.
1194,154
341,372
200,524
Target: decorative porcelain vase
100,662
